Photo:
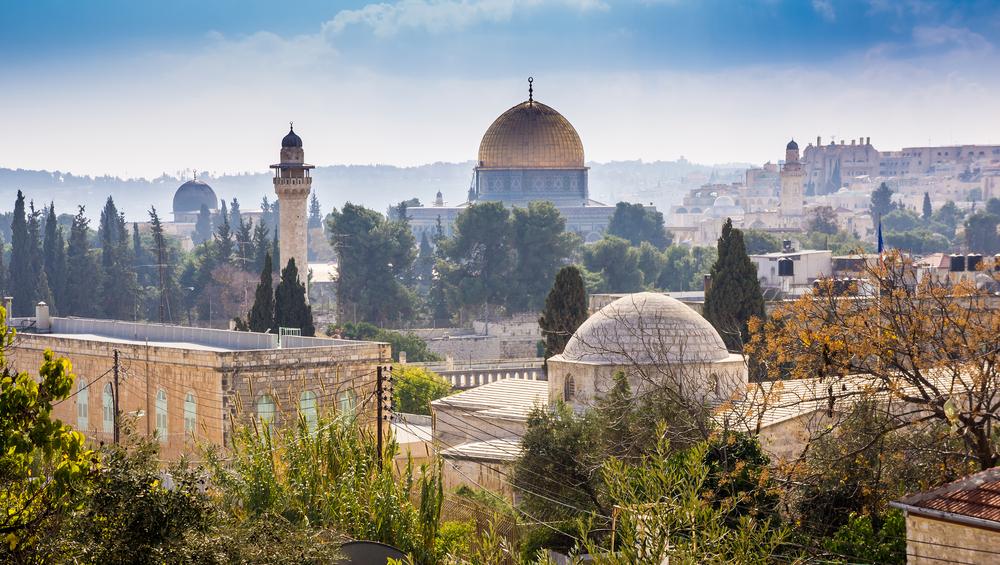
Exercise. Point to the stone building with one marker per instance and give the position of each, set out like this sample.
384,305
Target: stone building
828,167
792,182
529,153
186,386
292,184
190,197
956,523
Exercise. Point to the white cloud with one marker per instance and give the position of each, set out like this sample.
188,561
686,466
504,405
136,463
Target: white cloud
825,9
437,16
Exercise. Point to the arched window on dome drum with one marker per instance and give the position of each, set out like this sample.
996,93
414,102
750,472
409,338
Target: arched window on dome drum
190,414
346,403
308,410
266,409
569,388
108,409
82,406
161,415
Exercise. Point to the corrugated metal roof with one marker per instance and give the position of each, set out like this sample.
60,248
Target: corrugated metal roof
499,450
508,395
976,496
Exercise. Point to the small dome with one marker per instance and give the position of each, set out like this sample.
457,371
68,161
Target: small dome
645,328
724,201
292,139
191,195
531,135
792,146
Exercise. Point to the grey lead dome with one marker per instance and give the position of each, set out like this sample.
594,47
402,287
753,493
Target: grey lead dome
191,195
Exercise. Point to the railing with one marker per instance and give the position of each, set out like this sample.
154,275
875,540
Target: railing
462,379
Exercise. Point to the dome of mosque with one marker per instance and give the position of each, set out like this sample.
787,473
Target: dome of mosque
724,201
645,328
191,195
792,146
531,135
292,139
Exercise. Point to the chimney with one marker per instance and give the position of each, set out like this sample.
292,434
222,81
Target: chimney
852,143
8,304
868,141
819,141
43,323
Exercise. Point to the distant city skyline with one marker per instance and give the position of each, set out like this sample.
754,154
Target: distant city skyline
138,89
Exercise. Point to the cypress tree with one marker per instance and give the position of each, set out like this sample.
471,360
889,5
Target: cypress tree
54,251
224,242
244,256
261,315
565,309
39,280
261,245
734,295
290,307
202,226
928,210
235,216
3,271
21,284
81,270
119,288
275,251
315,213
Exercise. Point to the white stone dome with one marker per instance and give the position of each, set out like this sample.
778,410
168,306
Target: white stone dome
645,328
724,201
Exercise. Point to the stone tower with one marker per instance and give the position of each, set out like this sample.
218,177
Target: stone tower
292,184
792,182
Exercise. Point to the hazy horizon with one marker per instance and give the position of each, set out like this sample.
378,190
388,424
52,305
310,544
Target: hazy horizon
136,90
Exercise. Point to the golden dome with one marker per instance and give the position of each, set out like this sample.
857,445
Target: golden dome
531,135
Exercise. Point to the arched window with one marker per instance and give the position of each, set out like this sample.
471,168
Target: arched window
190,414
346,403
569,388
265,408
82,406
307,408
161,415
108,405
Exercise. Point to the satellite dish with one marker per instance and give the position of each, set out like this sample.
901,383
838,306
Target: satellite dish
368,553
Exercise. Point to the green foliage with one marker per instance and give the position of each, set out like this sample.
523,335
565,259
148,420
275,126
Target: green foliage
22,277
734,296
927,209
375,256
651,262
881,202
841,243
684,268
948,215
993,206
261,315
43,463
479,257
290,307
202,226
822,219
119,288
919,241
617,262
79,298
315,213
760,242
541,245
861,541
565,309
981,233
416,349
414,388
330,478
636,224
54,250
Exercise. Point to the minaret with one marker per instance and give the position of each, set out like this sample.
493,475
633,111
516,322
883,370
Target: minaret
292,184
792,181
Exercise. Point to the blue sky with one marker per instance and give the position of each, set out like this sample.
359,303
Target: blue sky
139,88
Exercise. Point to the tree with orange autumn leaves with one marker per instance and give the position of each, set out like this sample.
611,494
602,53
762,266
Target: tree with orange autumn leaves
927,351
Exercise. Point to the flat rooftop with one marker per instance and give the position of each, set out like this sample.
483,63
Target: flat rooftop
163,335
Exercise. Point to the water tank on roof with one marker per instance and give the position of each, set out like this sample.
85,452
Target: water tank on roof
786,267
973,261
957,263
996,262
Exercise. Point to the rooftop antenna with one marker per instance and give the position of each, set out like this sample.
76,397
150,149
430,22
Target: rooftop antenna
530,90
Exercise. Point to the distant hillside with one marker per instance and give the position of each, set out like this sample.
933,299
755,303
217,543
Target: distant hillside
376,186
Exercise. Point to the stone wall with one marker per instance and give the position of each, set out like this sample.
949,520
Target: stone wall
931,542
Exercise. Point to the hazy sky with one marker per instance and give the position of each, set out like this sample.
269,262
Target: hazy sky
137,88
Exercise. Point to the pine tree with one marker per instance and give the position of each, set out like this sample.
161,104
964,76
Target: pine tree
261,315
290,307
3,271
54,250
82,275
224,242
223,215
928,210
275,252
881,202
565,309
203,226
261,245
168,292
244,244
22,283
315,214
235,216
423,267
734,295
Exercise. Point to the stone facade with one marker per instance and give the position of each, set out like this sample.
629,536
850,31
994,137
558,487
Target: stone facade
518,187
201,391
930,542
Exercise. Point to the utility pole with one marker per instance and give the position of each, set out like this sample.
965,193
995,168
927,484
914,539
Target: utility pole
115,398
378,394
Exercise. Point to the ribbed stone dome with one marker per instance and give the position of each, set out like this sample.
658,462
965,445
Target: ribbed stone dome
291,139
645,328
531,135
792,146
191,195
